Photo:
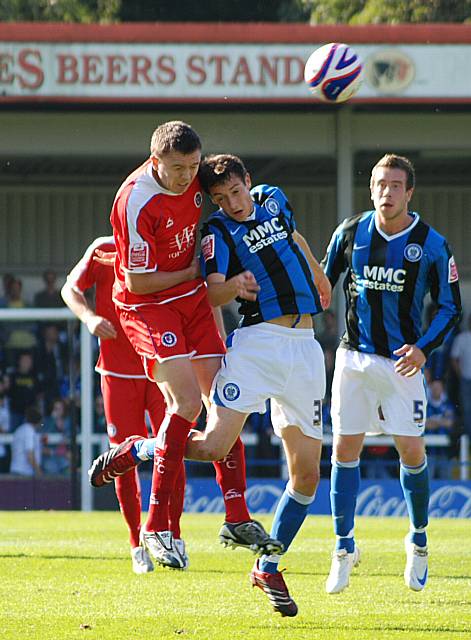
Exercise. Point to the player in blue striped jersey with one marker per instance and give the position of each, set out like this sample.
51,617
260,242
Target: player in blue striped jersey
252,252
392,259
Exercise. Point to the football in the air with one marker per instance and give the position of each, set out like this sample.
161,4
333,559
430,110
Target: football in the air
333,72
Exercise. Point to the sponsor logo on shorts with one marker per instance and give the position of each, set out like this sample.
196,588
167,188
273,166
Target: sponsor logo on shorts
207,247
231,391
272,206
111,430
198,199
138,255
452,270
168,339
413,252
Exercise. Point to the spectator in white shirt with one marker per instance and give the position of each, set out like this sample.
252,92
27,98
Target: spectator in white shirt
26,445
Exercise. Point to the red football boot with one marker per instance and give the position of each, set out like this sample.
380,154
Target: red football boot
113,463
274,586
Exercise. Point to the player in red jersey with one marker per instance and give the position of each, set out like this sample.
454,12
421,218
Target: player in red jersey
163,308
127,393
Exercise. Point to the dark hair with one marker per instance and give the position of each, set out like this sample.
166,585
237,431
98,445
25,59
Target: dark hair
394,161
174,136
33,415
217,169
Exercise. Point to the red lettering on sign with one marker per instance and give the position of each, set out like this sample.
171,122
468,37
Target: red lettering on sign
67,69
116,70
293,70
268,67
242,73
219,62
140,66
92,70
197,73
29,61
166,64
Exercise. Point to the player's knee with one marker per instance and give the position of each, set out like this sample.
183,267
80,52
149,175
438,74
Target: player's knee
412,454
305,481
189,407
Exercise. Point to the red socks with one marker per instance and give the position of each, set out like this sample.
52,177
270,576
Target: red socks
177,499
128,492
168,460
230,476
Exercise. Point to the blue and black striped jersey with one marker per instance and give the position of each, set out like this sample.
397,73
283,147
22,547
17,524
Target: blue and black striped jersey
264,245
387,279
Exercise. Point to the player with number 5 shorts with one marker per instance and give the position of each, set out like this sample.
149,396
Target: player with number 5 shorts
392,260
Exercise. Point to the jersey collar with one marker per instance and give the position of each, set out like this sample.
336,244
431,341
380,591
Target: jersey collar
415,220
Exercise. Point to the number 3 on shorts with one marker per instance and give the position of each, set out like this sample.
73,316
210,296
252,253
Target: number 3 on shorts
317,416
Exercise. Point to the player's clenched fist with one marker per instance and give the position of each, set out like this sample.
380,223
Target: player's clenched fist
245,285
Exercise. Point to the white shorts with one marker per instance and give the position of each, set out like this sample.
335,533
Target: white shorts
268,361
363,383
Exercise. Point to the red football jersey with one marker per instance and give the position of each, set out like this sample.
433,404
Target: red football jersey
117,357
154,229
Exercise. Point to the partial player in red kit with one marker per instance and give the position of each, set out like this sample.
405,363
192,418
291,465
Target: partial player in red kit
127,393
164,310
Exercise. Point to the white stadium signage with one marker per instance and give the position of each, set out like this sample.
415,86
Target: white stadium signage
75,69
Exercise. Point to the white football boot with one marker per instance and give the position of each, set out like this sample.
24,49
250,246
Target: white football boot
161,546
180,546
341,568
416,571
141,562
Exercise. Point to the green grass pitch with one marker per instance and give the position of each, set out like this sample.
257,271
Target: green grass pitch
68,575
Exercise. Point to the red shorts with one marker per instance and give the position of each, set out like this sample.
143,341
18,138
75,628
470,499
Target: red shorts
183,327
126,400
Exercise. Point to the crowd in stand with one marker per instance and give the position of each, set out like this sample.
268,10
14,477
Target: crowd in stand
35,399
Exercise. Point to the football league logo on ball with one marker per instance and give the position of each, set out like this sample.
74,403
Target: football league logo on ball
413,252
272,206
231,391
168,339
333,72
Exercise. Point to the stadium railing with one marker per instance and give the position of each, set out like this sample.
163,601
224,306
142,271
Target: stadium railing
88,440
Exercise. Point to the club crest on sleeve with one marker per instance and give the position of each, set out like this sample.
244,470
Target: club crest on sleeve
452,270
198,199
231,391
168,339
207,247
413,252
272,206
138,255
111,430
